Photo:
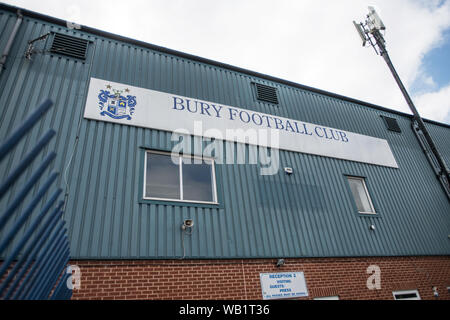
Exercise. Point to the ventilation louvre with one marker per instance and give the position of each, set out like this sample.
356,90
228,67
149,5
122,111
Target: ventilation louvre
391,124
69,46
266,93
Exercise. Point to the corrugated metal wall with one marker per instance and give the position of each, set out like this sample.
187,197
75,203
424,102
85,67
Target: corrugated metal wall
310,213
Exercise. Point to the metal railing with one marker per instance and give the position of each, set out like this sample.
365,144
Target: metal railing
34,248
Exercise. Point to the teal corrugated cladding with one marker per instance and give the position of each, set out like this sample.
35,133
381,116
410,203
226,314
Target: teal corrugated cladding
308,214
441,138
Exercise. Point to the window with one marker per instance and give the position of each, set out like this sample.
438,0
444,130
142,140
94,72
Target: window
406,295
327,298
361,195
179,178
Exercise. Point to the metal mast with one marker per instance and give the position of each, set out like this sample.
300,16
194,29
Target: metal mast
370,31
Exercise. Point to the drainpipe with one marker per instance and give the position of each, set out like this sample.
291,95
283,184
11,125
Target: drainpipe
10,41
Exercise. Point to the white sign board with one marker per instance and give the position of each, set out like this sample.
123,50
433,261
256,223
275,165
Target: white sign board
124,104
283,285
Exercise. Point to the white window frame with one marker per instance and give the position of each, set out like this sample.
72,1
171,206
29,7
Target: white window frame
327,298
181,157
416,292
367,194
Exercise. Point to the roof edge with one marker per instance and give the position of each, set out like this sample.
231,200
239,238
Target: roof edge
61,22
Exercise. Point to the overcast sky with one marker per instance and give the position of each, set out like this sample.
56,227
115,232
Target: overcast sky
312,42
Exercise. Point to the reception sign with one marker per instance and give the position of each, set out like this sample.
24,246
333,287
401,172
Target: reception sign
284,285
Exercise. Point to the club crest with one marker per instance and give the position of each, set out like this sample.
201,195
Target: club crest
115,105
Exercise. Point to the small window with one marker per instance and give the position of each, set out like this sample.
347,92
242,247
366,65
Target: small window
361,195
179,178
406,295
327,298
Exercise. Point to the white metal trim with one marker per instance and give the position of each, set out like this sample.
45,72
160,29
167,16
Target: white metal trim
367,194
145,175
180,172
394,293
213,173
182,201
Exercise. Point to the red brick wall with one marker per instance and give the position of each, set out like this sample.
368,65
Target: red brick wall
239,279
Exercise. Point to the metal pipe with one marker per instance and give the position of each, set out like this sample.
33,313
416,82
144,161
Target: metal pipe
26,189
11,39
26,162
28,257
27,212
443,167
24,128
31,230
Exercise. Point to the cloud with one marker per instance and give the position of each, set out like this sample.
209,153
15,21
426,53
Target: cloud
435,105
308,42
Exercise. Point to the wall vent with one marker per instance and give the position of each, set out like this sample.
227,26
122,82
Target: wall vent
391,124
266,93
69,46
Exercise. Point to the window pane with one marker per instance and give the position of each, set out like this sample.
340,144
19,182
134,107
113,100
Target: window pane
163,177
406,296
198,182
360,195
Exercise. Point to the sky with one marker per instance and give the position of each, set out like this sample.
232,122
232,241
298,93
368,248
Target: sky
311,42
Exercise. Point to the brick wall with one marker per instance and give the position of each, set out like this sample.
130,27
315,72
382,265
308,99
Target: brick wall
239,279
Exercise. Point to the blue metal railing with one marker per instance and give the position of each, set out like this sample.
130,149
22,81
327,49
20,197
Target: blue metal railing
33,263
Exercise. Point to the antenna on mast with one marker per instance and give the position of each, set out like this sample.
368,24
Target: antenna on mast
374,20
369,31
359,27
